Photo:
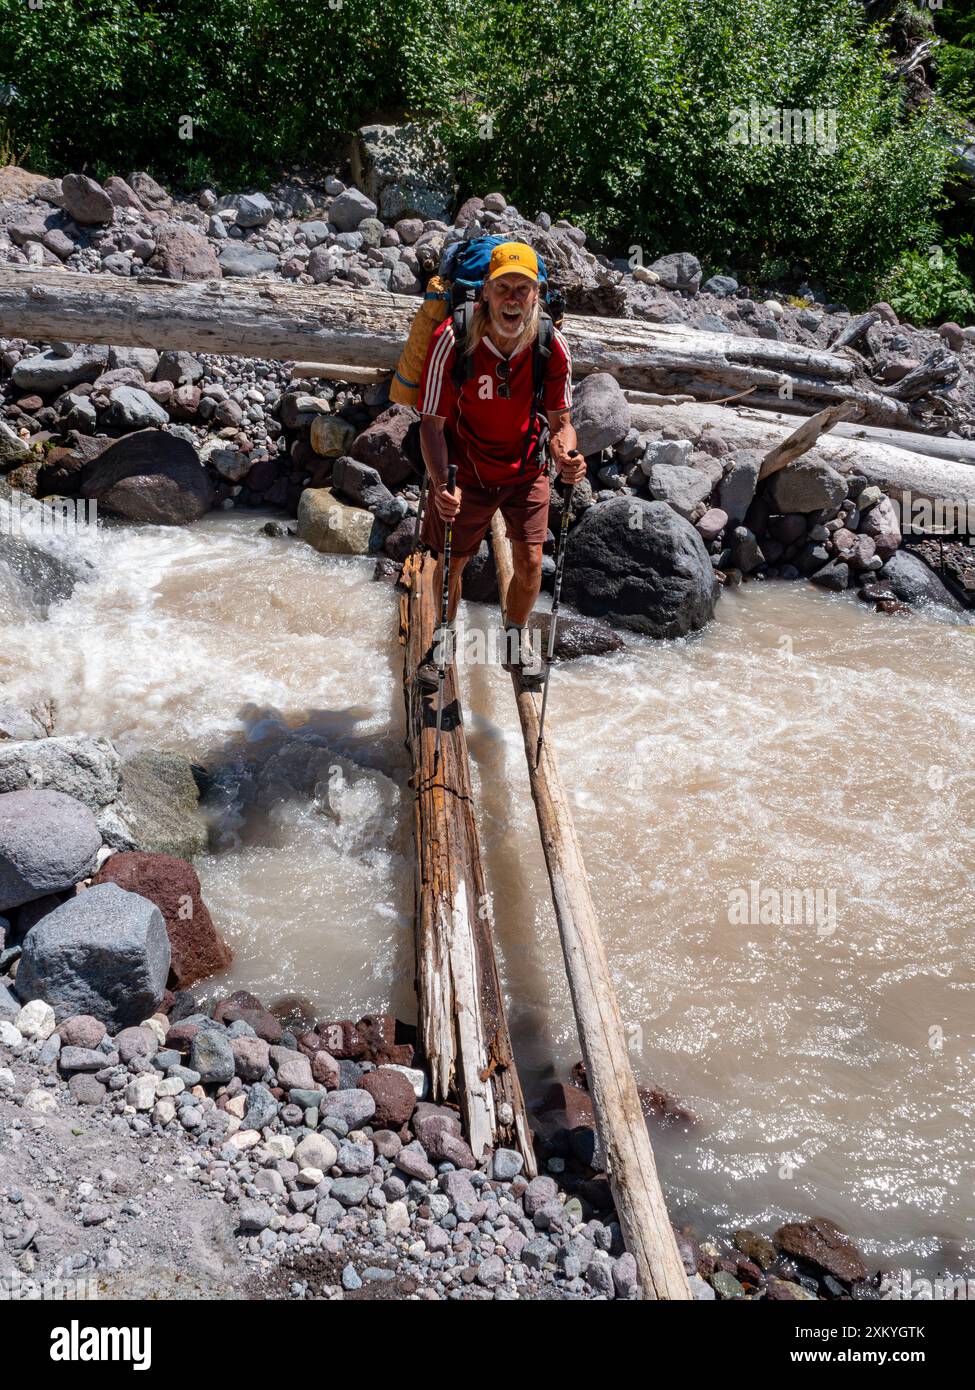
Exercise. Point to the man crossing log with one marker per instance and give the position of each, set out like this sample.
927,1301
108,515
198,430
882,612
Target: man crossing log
497,406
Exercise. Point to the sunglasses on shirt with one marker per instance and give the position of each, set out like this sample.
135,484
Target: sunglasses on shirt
503,370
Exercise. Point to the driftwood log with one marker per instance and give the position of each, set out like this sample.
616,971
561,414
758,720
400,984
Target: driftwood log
343,326
622,1129
463,1026
905,475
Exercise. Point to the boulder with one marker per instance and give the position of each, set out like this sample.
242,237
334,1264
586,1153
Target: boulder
47,372
150,476
737,488
600,413
678,271
680,487
103,952
574,636
331,436
807,487
81,767
334,528
405,170
122,195
237,258
196,948
394,1097
640,565
181,368
157,807
48,843
183,254
349,209
253,210
380,445
913,582
133,409
363,485
882,524
822,1244
13,449
150,193
86,201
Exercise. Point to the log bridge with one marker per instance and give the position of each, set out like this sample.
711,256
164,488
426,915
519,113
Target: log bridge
673,375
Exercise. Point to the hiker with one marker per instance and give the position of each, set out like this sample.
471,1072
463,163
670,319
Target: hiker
494,428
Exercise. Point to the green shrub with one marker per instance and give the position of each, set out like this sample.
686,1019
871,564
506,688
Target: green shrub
930,287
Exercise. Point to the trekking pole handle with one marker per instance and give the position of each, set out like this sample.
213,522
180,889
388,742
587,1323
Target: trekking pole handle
451,477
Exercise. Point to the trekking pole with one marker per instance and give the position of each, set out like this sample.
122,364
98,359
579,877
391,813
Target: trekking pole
419,513
444,608
565,489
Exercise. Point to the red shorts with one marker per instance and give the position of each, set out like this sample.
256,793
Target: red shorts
524,507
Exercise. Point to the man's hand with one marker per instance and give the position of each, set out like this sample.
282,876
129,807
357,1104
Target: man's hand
447,503
571,466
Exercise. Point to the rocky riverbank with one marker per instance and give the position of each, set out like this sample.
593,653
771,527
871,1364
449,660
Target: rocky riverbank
293,1154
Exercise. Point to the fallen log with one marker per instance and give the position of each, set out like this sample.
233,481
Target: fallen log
462,1021
906,476
622,1129
342,326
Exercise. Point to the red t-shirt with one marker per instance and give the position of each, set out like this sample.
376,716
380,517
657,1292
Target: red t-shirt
486,432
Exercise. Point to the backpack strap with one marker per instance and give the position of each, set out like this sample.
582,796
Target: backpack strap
461,320
541,354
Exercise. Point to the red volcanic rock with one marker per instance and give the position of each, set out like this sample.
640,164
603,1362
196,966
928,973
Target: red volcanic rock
394,1096
172,884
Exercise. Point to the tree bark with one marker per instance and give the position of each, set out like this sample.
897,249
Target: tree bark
619,1116
463,1024
902,473
354,328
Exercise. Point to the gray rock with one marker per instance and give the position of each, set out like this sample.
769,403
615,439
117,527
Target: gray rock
314,232
143,360
73,1059
404,170
737,489
600,413
212,1056
10,1005
913,582
506,1164
349,209
363,485
641,565
680,487
721,285
149,192
13,449
253,210
48,843
262,1108
807,487
237,258
47,372
132,409
666,451
157,807
181,368
84,768
678,271
104,952
351,1192
254,1216
354,1107
835,575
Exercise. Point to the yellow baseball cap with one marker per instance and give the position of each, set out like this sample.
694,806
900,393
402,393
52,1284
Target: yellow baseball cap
513,257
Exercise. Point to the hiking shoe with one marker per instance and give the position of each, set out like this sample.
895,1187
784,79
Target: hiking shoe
532,675
427,675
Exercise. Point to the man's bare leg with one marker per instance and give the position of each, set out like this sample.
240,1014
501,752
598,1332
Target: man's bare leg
526,581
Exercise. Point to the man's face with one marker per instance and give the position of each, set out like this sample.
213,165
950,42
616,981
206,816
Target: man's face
509,299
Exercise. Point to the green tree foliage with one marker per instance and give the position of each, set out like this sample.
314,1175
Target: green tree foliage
619,113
